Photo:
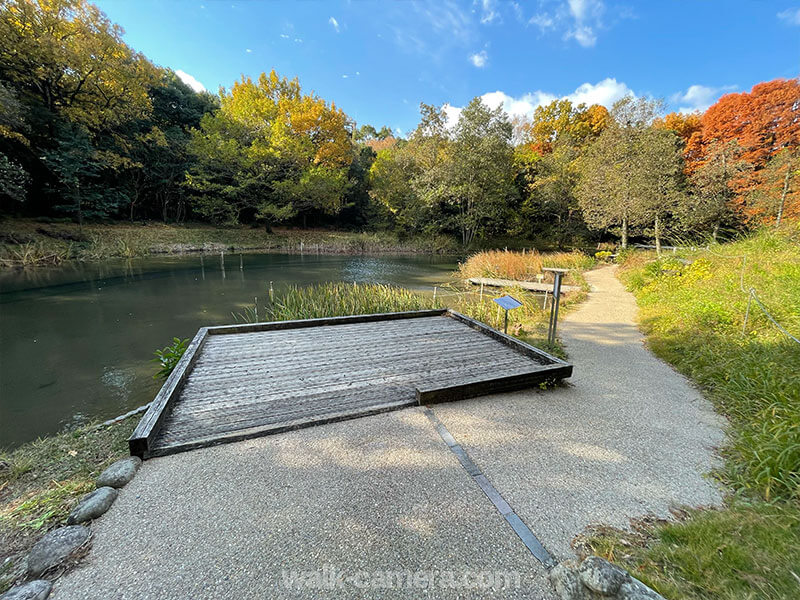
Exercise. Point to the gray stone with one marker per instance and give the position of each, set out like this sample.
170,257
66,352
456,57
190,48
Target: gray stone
120,473
33,590
55,547
601,576
633,589
566,582
92,505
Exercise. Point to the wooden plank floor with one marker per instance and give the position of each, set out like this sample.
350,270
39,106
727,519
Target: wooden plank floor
242,382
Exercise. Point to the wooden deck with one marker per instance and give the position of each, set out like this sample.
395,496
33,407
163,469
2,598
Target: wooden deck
531,286
237,382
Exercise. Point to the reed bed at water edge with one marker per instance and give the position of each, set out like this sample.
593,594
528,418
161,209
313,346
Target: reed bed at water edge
523,266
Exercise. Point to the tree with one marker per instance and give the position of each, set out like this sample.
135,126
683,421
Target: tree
562,121
777,190
68,55
476,176
318,188
710,204
659,177
77,170
762,122
269,145
548,184
611,192
14,180
390,184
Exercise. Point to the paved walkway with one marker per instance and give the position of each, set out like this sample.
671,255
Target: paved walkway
370,507
628,435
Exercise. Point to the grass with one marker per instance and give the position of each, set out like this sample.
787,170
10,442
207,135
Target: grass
40,483
27,242
528,323
744,551
338,299
524,266
692,311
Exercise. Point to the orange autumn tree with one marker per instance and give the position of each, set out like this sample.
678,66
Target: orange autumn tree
763,123
688,127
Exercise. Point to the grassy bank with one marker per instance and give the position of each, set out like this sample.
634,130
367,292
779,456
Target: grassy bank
525,266
42,481
25,242
693,313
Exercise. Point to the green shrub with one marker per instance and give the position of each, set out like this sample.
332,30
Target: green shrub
168,357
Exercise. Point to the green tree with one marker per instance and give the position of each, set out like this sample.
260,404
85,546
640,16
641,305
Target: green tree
659,177
76,169
71,58
548,183
390,184
14,180
270,146
475,175
611,192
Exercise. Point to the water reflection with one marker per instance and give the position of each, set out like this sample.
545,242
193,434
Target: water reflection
78,340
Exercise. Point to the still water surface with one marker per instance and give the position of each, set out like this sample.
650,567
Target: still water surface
76,342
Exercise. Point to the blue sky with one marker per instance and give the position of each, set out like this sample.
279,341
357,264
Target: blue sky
378,60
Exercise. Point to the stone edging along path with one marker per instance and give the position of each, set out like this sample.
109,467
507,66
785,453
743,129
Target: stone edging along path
52,554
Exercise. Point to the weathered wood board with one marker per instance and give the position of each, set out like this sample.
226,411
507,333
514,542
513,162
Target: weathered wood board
241,381
531,286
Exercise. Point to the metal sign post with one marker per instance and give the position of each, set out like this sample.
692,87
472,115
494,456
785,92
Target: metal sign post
507,303
557,274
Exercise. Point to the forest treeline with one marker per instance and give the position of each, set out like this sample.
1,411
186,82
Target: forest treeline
90,129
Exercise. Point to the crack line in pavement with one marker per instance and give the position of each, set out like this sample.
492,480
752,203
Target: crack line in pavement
520,528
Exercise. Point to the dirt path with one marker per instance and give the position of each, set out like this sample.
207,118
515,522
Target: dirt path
627,436
385,494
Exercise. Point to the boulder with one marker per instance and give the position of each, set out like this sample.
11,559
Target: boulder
601,576
92,505
55,547
633,589
33,590
566,582
120,473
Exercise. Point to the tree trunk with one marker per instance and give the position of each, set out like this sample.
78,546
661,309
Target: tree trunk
657,232
80,209
715,231
783,195
625,231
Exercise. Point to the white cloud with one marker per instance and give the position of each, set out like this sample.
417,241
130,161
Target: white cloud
585,36
248,50
298,40
790,15
587,18
190,81
335,24
431,29
479,59
518,11
543,21
699,97
489,13
345,76
285,36
579,20
604,92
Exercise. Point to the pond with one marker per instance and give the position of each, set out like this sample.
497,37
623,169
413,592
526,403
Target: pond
77,342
